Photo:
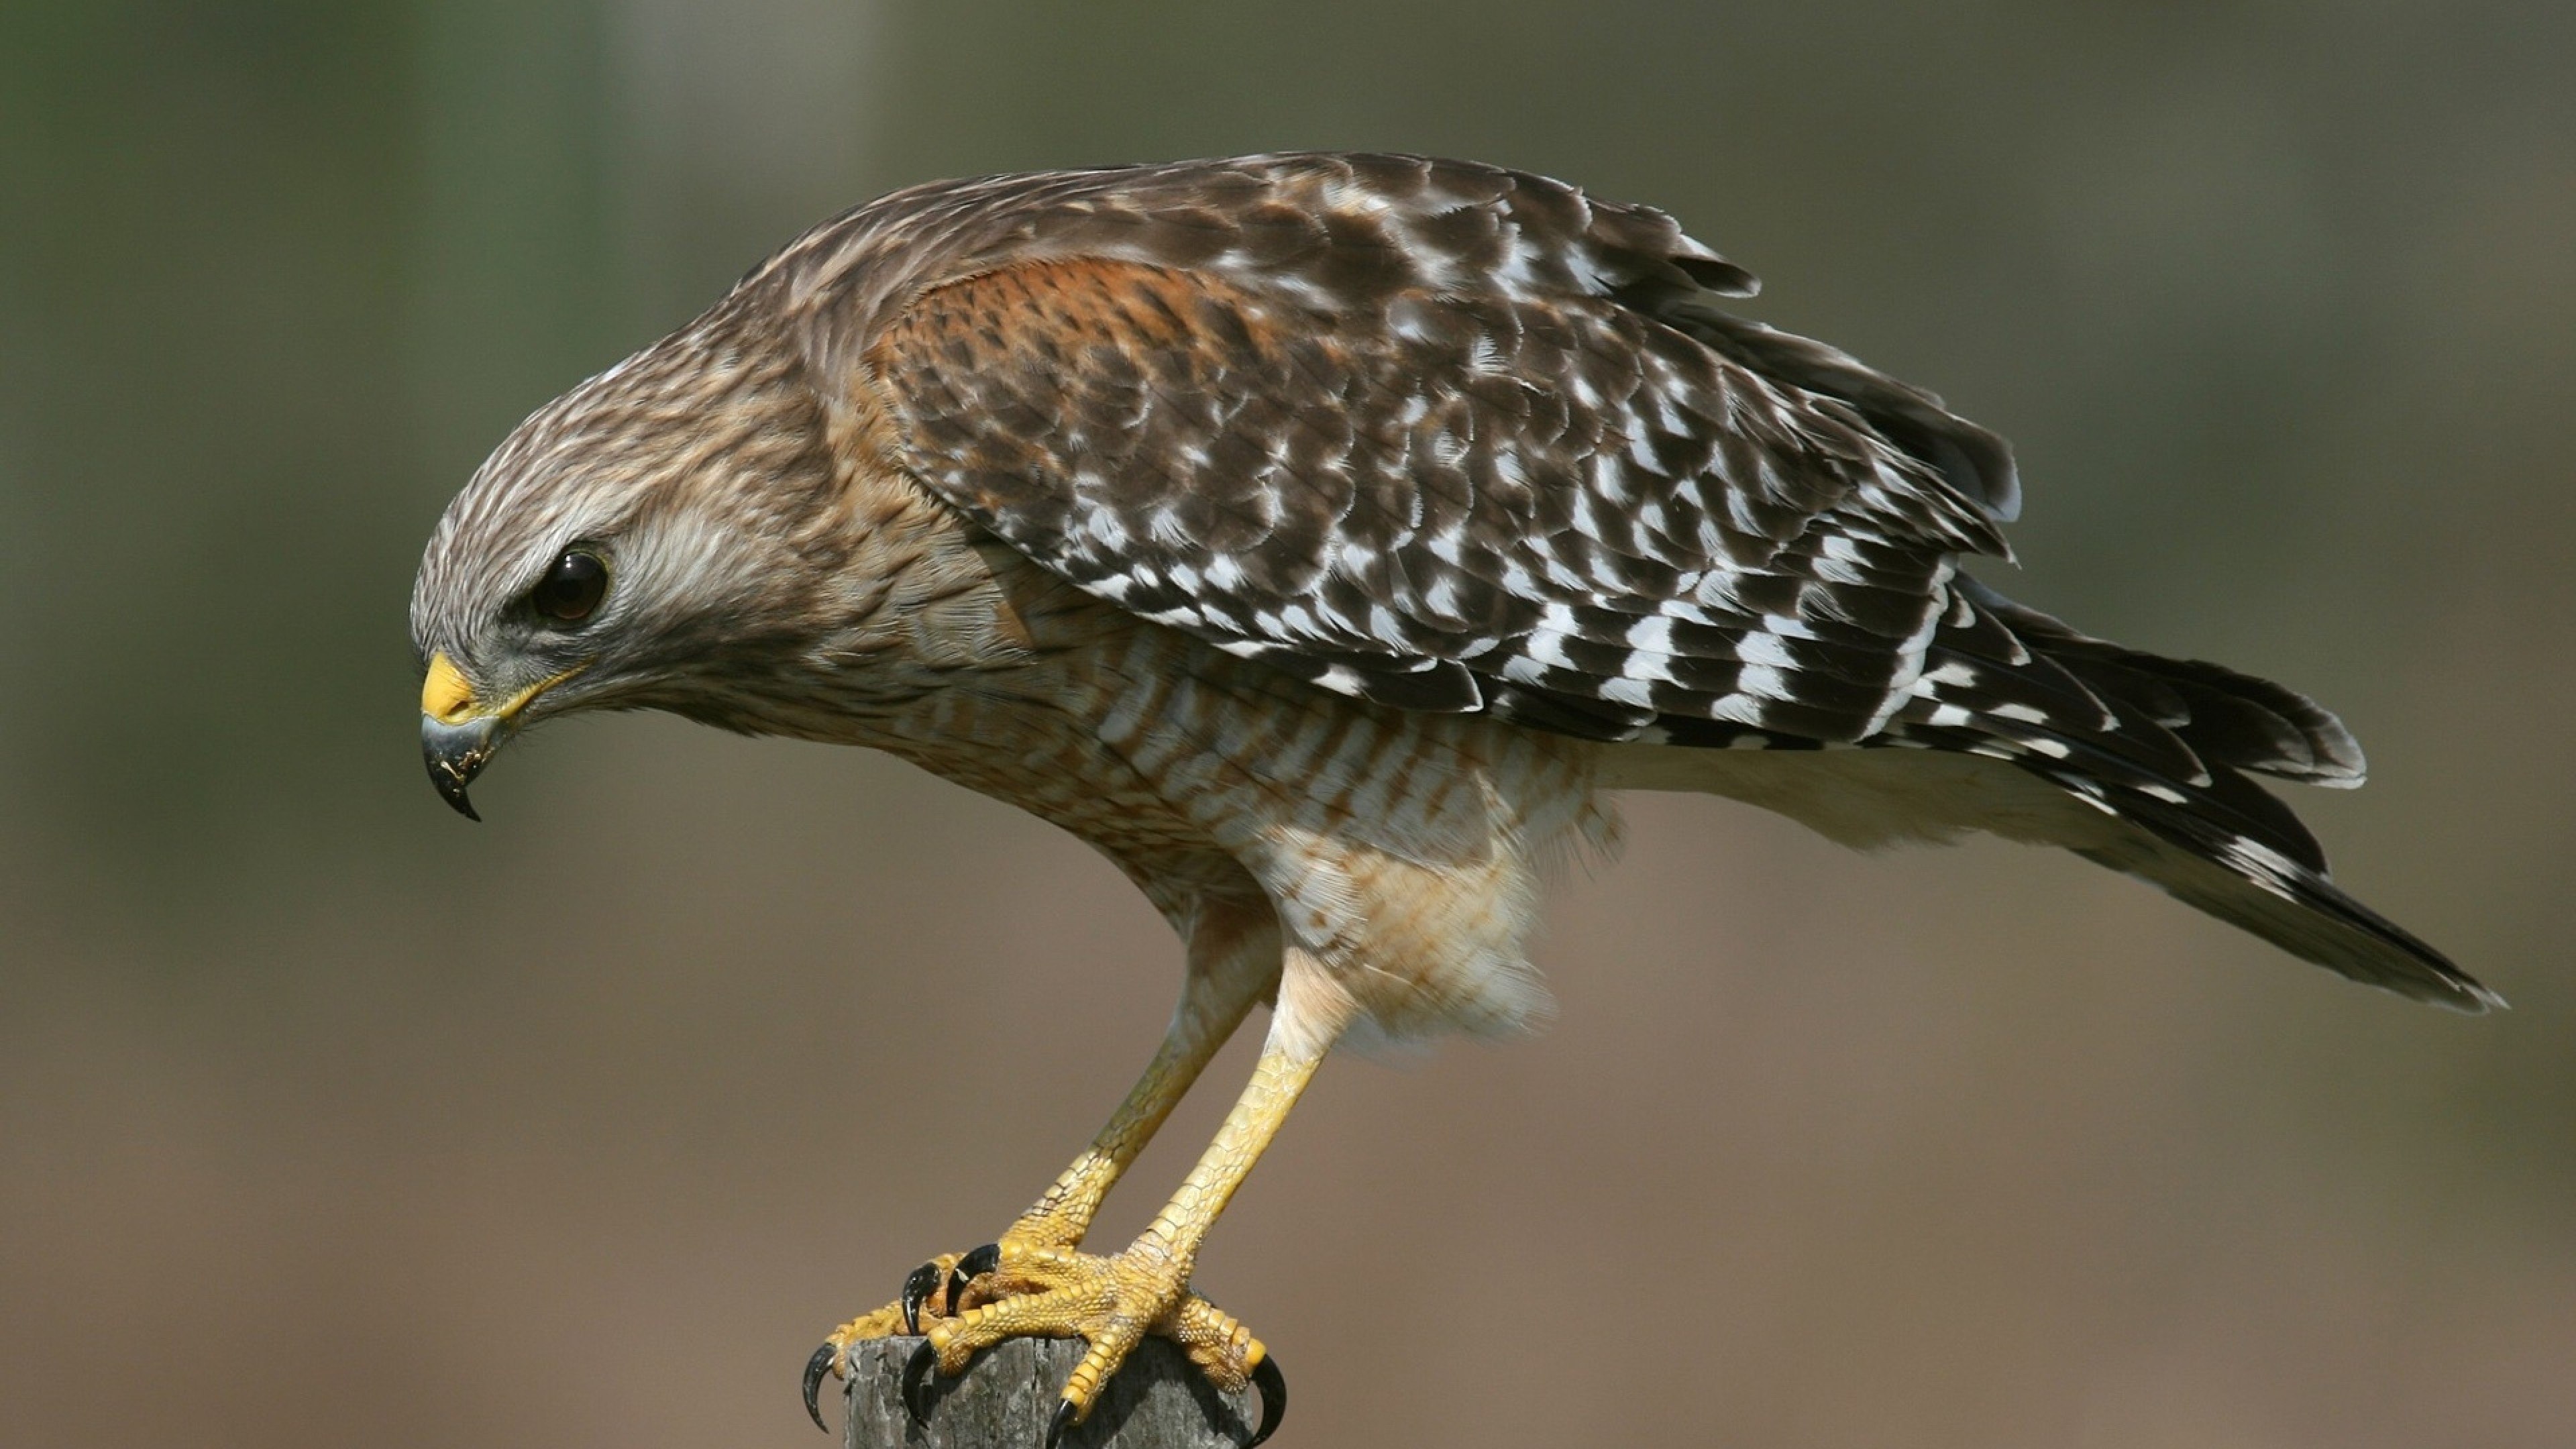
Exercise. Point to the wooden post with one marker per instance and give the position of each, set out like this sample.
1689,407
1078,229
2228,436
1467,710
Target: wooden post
1006,1397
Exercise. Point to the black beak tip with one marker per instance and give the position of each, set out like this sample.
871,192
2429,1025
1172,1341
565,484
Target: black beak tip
450,783
455,755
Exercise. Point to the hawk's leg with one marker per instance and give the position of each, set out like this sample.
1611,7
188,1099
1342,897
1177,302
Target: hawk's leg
1212,1006
1114,1301
1230,963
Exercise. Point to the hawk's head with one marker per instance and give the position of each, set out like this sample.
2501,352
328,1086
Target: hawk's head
663,536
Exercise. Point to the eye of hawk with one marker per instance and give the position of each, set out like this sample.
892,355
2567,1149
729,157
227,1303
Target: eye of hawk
572,587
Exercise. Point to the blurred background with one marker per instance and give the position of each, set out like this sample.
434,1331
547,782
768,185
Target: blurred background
327,1118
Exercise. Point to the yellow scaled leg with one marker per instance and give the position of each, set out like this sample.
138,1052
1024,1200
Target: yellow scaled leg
1113,1302
1219,993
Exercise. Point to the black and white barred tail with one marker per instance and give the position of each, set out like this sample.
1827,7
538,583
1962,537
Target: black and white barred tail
2024,728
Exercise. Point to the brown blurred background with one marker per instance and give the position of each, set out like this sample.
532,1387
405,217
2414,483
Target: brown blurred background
328,1119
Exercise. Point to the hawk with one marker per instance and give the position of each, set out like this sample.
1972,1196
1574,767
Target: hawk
1323,538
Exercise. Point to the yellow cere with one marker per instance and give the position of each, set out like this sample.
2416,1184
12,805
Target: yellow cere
444,695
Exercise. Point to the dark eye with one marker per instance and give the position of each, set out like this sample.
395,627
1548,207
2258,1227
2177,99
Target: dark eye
572,588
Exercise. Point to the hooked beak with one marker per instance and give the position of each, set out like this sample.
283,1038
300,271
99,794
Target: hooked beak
458,734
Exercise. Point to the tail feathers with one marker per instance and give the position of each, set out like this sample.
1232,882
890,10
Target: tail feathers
2123,760
2013,684
2228,718
2290,903
2156,745
2016,724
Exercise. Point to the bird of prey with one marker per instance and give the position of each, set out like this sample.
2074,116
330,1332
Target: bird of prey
1323,538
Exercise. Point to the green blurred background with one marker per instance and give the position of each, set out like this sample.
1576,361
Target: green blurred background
326,1118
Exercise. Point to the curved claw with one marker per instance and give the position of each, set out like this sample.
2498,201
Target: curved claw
1274,1398
974,1265
1067,1414
917,1287
916,1382
821,1364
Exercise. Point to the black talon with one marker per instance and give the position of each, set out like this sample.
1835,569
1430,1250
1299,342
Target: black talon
1063,1420
1274,1398
974,1265
916,1379
916,1290
815,1369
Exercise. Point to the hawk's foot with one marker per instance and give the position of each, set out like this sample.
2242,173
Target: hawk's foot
925,1293
1017,1290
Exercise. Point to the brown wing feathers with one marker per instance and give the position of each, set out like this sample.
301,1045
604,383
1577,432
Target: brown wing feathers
1453,438
1403,438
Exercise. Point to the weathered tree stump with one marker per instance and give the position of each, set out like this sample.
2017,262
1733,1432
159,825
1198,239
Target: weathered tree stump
1005,1399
